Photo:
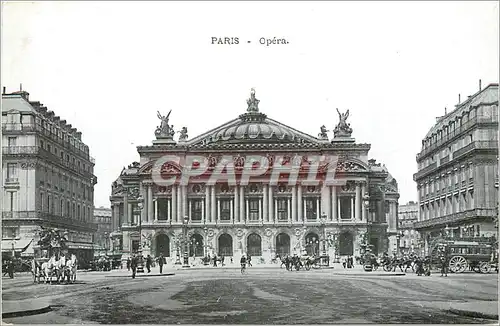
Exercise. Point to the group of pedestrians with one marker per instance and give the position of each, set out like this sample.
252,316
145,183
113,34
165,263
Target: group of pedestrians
348,262
133,263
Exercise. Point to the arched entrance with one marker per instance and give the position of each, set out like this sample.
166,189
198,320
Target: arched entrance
254,247
196,245
312,244
346,246
283,244
225,245
162,245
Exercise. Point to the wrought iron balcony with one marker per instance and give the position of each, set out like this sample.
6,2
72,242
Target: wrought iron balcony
43,216
19,150
486,144
17,127
456,217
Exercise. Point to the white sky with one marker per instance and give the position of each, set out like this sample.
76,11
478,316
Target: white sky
108,67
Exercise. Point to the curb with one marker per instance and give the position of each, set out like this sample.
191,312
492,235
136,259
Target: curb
23,313
138,275
474,314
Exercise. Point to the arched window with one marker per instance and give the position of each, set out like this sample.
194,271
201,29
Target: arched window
254,245
282,244
163,245
225,245
196,245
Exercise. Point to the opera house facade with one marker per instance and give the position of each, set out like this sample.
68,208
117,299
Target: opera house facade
265,215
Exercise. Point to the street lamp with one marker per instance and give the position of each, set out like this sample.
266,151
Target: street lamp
177,254
186,243
106,243
140,206
205,246
323,226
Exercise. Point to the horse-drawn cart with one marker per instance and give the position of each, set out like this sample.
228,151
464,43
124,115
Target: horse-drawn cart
475,254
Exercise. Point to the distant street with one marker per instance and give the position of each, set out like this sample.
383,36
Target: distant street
263,295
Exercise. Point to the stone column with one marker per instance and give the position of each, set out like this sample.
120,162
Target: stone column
260,210
207,203
357,203
247,210
335,214
169,216
294,203
236,204
242,204
338,209
179,205
265,205
115,219
352,208
275,218
156,210
174,204
150,204
363,208
271,204
218,210
318,212
325,200
203,214
130,214
213,204
184,202
144,193
125,210
290,210
231,215
300,212
189,212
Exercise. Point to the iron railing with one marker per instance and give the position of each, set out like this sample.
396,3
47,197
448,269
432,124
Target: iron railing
15,150
456,217
34,215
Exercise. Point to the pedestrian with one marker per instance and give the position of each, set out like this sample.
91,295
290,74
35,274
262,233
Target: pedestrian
222,260
249,259
161,260
444,262
128,264
231,260
215,260
149,262
344,262
133,265
10,268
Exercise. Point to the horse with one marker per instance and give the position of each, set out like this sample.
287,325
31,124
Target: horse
36,270
60,267
71,267
48,269
306,261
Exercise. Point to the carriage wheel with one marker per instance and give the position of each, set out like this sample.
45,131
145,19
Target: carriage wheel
457,264
307,266
484,267
387,267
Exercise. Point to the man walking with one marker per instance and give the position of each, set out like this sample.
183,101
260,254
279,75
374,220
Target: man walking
444,262
160,262
133,265
149,262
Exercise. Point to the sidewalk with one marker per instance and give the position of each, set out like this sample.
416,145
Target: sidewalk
476,309
27,307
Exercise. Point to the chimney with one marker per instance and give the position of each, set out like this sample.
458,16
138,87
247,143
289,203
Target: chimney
479,84
445,111
458,98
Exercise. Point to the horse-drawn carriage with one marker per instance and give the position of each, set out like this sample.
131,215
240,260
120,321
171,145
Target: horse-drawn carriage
52,259
476,254
300,262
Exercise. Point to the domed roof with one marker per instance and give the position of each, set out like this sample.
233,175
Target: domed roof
252,126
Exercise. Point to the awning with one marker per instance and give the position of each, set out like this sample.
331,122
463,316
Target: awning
79,245
19,245
29,252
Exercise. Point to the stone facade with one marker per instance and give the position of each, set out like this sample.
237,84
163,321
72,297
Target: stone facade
48,176
260,218
457,178
409,238
102,217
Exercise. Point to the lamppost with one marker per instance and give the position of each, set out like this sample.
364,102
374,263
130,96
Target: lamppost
186,243
140,206
177,255
322,220
106,243
205,246
304,230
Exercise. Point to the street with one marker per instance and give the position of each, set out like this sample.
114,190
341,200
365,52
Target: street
262,296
